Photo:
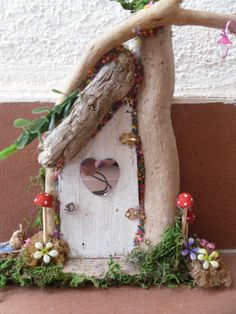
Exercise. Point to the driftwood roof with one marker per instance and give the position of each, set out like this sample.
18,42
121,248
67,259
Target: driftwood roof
111,84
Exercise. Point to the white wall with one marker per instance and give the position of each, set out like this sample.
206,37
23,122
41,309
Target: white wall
41,42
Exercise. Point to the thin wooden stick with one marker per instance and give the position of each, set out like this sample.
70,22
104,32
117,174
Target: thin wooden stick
186,230
184,222
50,212
45,233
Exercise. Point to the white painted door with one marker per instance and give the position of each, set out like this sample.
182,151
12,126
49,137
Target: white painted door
99,228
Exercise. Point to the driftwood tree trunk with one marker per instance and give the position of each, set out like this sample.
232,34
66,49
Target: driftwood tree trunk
112,83
158,140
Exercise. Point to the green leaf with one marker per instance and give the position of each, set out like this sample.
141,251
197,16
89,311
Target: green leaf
20,123
58,92
45,118
34,129
22,140
8,151
41,110
40,137
52,122
58,109
38,220
37,125
67,109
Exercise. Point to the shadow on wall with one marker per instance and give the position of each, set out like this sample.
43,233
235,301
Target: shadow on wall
206,140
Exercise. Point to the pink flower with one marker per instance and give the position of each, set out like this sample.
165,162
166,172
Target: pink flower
27,242
149,5
207,245
224,41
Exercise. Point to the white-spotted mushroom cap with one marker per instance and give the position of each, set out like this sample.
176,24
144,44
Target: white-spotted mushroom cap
44,200
185,201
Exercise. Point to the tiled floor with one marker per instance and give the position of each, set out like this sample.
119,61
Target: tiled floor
122,300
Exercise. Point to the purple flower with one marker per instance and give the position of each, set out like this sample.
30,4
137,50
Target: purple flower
57,234
190,249
138,31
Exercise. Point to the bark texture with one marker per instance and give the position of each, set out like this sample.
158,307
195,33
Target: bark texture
158,140
112,83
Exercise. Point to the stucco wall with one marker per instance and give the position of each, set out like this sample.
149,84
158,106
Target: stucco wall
41,42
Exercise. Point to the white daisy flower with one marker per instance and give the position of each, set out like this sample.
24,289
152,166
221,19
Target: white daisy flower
207,259
45,252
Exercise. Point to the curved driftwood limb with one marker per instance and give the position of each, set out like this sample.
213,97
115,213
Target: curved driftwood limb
156,132
112,83
164,12
203,18
157,15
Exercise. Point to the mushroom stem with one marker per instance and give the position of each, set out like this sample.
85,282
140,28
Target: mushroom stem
186,230
50,212
45,230
184,223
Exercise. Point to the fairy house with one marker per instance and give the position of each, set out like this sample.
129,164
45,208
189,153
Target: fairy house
98,184
102,225
118,182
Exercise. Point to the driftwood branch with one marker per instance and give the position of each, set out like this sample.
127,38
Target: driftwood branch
157,136
112,83
202,18
164,12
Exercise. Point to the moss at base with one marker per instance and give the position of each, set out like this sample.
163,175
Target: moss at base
160,265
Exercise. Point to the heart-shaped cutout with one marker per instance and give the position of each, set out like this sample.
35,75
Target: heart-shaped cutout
100,176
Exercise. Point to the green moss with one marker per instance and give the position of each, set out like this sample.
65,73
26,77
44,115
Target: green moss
163,264
160,265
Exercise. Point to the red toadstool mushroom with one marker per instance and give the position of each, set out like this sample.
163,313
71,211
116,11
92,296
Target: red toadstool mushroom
44,200
185,201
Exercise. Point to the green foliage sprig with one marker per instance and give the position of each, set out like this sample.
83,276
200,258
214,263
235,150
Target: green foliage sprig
163,264
33,129
133,5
